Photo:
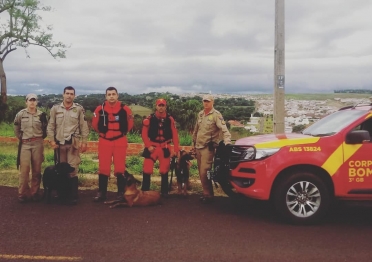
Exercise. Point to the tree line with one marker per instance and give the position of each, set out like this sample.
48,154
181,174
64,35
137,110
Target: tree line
355,91
183,109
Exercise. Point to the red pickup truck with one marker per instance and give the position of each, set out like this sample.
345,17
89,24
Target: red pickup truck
303,173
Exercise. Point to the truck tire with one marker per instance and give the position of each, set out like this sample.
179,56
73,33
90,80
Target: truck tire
301,198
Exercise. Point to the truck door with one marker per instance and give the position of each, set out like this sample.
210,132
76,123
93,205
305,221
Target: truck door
357,168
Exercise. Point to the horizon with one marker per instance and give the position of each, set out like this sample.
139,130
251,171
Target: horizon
200,93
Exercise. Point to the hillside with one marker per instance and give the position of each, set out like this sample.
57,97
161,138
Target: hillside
140,110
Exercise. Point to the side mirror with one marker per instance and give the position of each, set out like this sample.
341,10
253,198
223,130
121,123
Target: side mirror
357,137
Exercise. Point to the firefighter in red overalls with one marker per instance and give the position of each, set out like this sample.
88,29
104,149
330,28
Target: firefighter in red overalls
158,131
112,120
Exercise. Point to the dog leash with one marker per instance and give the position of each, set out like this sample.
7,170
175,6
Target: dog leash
57,153
172,166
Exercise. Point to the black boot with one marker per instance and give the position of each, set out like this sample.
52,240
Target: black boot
164,185
120,182
102,188
74,187
146,179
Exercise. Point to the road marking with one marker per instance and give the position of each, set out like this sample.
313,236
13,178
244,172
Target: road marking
54,258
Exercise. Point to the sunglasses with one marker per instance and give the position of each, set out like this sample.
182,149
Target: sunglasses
161,105
206,101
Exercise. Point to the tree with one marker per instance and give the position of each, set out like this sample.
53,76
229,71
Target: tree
16,103
298,128
257,114
22,29
185,113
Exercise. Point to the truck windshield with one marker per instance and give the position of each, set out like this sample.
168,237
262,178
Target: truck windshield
333,123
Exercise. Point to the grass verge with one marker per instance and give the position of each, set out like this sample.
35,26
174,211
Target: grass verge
88,170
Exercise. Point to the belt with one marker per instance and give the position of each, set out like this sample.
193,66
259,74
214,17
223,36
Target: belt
31,139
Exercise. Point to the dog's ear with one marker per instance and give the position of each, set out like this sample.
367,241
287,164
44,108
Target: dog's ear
66,167
189,157
70,169
127,174
129,183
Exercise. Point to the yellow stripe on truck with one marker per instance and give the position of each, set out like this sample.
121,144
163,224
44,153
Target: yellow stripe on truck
334,162
287,142
368,116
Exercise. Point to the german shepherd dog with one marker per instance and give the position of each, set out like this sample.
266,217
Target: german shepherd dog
134,196
57,178
183,172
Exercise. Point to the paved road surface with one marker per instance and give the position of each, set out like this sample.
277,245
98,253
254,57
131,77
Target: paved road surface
177,230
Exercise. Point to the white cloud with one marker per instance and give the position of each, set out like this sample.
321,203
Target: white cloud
198,45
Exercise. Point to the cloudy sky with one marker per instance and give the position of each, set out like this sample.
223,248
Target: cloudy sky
218,46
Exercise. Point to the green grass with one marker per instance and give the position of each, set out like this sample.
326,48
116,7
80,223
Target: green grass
6,130
88,169
134,138
185,138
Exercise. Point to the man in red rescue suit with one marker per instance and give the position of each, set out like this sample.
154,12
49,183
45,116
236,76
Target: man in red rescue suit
158,131
112,120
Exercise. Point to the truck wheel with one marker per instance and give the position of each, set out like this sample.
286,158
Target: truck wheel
301,198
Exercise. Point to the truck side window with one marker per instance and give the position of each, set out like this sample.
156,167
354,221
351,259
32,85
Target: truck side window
367,125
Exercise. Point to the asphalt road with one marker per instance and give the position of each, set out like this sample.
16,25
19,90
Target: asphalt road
177,230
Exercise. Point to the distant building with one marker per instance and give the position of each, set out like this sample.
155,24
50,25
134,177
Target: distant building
251,128
235,123
288,129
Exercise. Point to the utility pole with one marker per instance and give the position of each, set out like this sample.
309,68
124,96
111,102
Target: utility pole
279,69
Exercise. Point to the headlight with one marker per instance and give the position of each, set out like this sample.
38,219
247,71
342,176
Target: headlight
260,153
249,153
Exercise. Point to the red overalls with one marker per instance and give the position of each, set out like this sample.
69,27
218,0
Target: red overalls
159,142
112,145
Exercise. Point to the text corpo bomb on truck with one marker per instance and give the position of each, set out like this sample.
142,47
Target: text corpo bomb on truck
303,173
